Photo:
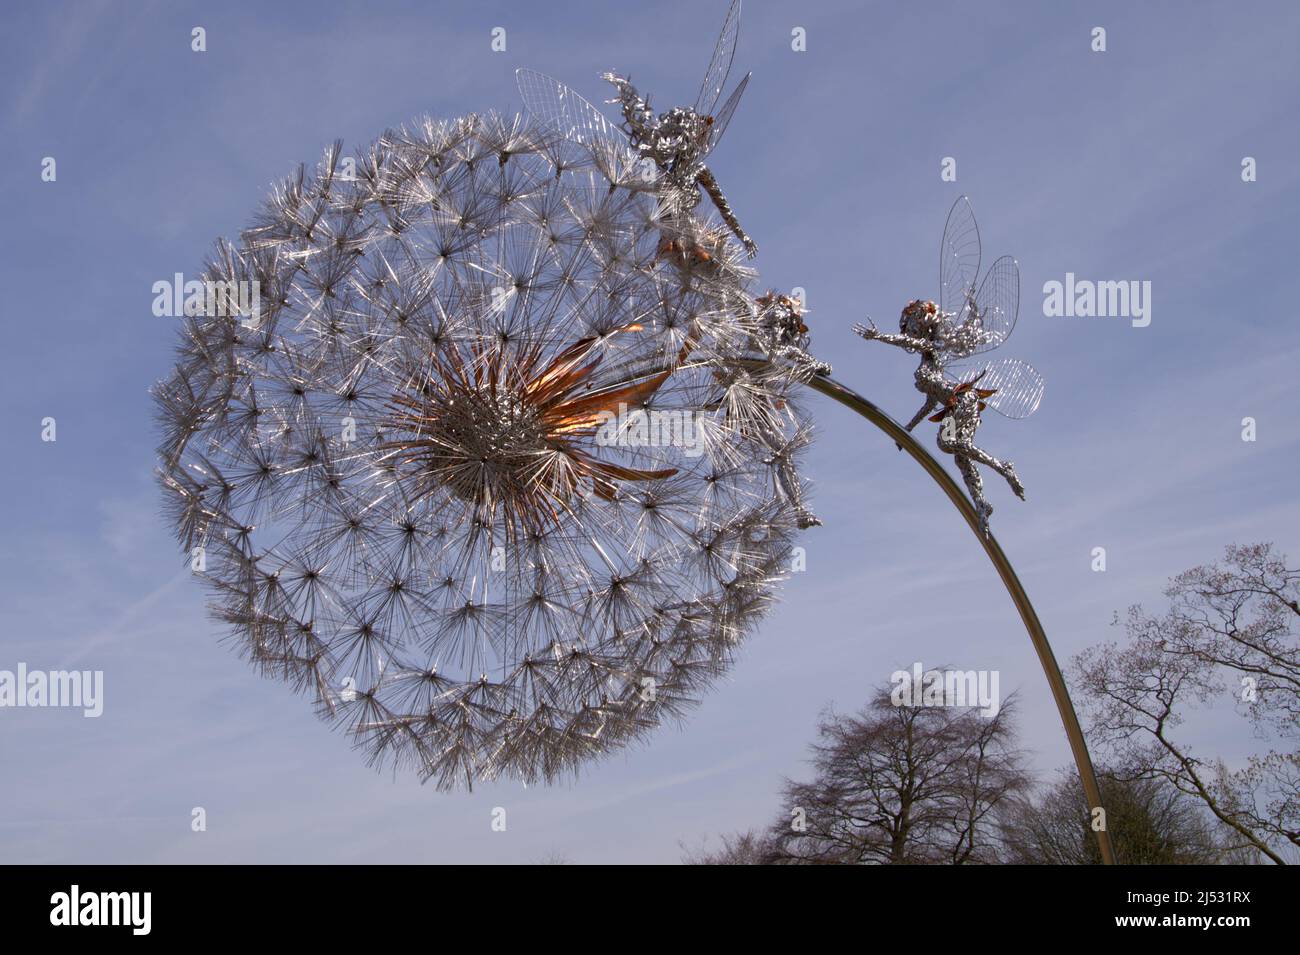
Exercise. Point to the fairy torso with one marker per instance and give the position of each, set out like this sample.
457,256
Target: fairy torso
929,378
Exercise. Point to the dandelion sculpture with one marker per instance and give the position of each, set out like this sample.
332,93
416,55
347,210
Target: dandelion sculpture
500,464
483,473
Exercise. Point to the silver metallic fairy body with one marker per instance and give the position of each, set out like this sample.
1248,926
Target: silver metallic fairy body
783,338
961,325
676,141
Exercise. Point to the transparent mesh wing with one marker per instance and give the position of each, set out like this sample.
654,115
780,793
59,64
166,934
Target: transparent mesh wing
959,258
997,305
715,77
723,116
1019,386
555,105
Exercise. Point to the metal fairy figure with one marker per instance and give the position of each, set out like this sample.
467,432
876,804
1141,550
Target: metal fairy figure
961,325
783,334
783,338
676,141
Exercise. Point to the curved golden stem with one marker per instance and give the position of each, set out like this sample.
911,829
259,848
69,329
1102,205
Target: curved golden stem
853,400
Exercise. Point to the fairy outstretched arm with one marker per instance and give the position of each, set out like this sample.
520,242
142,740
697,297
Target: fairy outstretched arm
911,343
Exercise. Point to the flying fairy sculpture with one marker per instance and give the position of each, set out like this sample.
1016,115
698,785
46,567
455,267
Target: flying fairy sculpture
676,141
962,325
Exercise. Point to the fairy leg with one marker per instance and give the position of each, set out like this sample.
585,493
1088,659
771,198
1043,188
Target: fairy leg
711,186
788,483
975,484
1005,468
786,479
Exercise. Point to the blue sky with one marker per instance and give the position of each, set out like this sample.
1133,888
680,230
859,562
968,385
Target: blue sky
1113,166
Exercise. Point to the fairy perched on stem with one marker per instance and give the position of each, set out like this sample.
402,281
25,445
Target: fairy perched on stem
961,325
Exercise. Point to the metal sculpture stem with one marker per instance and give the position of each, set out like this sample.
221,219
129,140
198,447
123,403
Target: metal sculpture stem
853,400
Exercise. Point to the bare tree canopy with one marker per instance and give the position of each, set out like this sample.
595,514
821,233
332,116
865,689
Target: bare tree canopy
892,785
1228,634
754,847
1150,823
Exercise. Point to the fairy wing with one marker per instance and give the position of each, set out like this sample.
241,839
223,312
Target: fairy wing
723,116
555,105
959,258
990,319
1017,387
715,77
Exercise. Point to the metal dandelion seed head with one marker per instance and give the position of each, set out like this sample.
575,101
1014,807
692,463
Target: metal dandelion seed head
485,471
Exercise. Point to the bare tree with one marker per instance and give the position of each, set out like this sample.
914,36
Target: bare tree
553,857
1226,635
893,785
1150,821
753,847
